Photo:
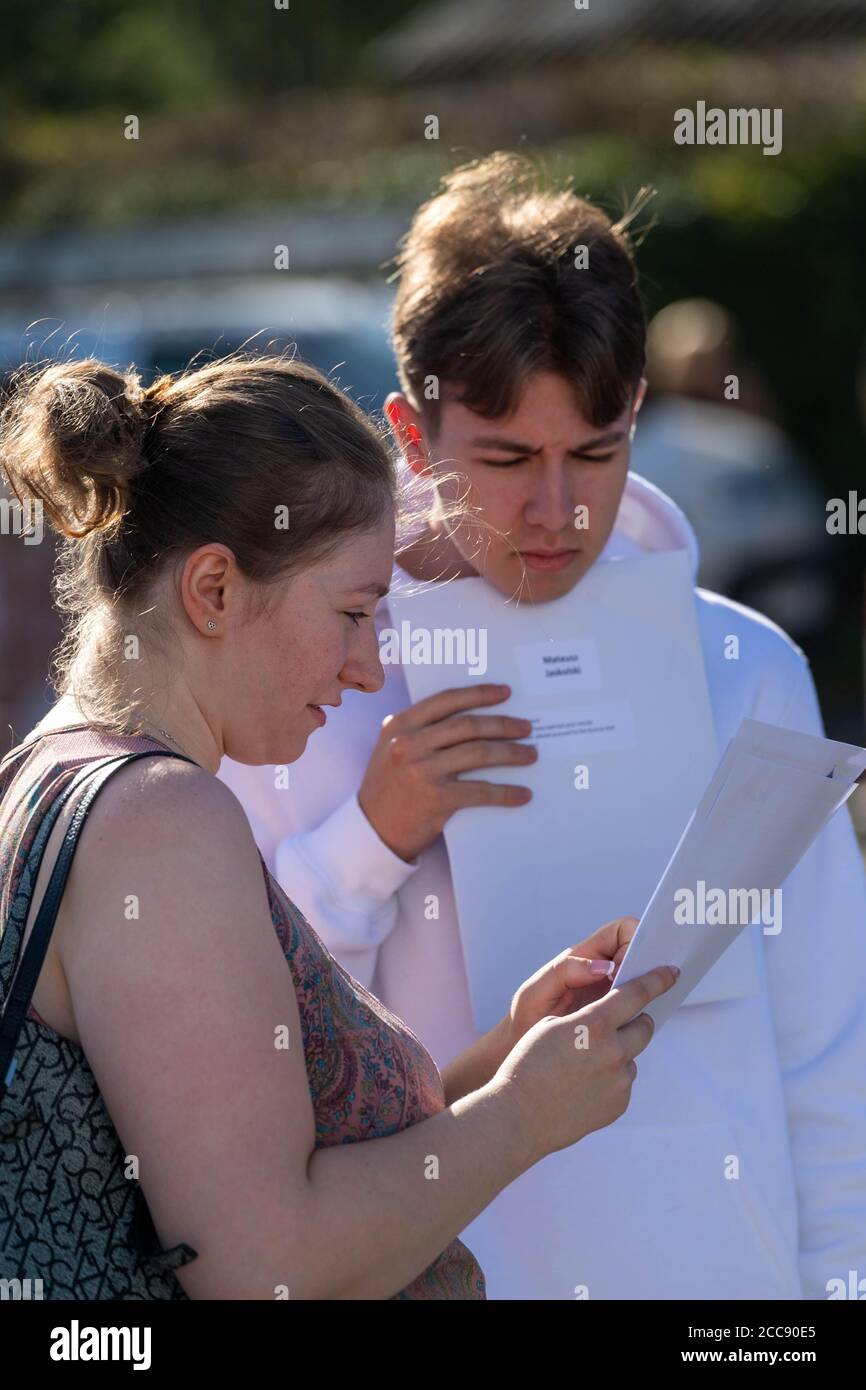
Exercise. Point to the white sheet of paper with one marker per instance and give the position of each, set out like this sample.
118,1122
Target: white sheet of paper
771,795
612,675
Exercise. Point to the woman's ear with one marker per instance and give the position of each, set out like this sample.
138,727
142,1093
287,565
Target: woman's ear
407,430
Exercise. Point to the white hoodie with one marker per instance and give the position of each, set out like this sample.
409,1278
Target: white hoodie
772,1086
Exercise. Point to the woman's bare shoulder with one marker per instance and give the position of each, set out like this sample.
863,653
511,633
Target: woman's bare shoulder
164,831
160,796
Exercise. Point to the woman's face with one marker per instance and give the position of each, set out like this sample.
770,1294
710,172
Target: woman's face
315,640
546,481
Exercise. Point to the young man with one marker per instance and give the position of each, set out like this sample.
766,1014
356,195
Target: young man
739,1172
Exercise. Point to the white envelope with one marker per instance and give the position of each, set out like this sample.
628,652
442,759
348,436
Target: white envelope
613,676
771,795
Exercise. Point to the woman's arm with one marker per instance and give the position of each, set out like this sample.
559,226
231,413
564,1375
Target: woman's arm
188,1016
475,1066
181,1013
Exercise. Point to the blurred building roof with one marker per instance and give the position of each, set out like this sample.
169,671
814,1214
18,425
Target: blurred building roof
456,38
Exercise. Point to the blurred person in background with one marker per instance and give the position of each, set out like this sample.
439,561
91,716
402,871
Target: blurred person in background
707,439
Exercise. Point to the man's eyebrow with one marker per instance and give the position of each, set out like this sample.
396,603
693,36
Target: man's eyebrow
513,446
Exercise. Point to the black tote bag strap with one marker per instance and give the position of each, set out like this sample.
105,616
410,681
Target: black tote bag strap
24,981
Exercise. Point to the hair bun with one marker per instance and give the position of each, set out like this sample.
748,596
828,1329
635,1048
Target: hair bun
71,436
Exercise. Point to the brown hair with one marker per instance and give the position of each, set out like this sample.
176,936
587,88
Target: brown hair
490,292
137,478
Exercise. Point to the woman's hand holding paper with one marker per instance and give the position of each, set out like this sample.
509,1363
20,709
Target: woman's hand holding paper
570,1075
576,977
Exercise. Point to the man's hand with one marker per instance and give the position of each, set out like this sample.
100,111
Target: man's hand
411,786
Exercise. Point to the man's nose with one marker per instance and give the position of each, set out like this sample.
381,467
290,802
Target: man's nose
551,505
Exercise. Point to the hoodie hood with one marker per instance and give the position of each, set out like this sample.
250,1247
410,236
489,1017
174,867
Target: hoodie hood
648,521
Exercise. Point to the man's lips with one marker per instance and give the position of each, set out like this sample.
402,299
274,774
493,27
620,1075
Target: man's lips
548,561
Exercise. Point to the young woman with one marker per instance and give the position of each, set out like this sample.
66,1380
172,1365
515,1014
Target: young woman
521,367
205,1104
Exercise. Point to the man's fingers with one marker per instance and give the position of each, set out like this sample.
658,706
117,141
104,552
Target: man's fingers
467,728
488,794
465,757
448,702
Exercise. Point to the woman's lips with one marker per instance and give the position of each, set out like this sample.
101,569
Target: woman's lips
548,561
318,714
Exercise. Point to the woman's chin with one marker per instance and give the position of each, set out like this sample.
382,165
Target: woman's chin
285,745
282,750
293,749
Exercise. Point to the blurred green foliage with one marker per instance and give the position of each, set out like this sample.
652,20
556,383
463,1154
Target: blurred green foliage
781,245
243,105
74,55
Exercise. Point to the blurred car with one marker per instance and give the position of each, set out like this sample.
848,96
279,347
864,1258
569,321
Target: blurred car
340,325
337,324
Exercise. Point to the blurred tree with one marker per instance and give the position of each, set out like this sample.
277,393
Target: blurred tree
261,49
64,55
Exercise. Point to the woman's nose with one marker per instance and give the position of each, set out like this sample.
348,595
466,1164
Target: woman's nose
364,670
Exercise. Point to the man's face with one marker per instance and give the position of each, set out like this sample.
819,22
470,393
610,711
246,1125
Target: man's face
544,483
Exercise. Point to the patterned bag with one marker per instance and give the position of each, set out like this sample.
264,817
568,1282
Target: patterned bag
69,1215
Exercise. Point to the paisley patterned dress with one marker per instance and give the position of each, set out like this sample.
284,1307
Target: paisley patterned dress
69,1216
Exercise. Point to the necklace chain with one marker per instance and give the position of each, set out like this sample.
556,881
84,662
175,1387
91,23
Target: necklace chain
171,738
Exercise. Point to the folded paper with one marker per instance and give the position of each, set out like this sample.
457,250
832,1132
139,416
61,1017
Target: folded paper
771,795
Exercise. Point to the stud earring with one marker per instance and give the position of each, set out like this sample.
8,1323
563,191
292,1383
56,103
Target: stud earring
211,623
